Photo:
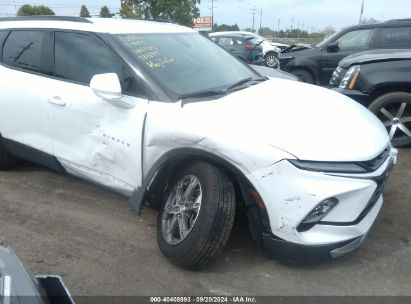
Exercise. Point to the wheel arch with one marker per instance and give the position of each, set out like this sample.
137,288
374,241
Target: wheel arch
158,177
306,69
388,88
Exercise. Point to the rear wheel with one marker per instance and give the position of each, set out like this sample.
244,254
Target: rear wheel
197,215
304,75
6,159
394,110
272,61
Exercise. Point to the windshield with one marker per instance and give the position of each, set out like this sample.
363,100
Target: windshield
186,63
326,39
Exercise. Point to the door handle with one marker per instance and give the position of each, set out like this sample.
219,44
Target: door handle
56,100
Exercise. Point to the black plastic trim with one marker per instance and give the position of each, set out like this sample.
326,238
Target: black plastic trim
33,155
278,248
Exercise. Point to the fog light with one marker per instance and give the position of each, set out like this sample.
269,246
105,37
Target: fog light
321,210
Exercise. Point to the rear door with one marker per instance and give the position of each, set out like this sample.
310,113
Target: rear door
25,71
92,137
349,43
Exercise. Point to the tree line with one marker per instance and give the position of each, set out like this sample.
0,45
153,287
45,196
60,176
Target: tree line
31,10
178,11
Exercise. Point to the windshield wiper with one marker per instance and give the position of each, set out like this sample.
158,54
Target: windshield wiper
211,93
202,94
244,81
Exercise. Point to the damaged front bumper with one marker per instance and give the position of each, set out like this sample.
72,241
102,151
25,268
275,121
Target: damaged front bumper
291,194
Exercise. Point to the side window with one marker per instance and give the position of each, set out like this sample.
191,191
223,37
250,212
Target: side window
78,57
226,41
3,35
395,37
355,40
28,50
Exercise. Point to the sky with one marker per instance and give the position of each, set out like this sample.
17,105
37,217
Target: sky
310,14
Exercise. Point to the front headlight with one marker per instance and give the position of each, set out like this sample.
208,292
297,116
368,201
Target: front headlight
350,77
334,167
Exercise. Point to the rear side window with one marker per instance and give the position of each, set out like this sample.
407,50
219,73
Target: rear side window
3,35
28,50
78,57
224,41
395,37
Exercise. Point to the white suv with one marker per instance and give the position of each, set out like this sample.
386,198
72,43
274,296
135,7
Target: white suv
270,51
162,115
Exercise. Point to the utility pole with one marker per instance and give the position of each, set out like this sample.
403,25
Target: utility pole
362,11
253,13
278,25
261,17
15,6
212,13
292,23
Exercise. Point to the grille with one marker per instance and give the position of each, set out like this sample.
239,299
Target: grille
374,164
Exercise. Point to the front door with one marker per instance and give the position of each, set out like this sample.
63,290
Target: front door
92,137
349,43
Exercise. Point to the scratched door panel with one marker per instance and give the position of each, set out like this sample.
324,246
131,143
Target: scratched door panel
96,140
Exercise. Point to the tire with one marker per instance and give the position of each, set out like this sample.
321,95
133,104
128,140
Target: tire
305,76
394,111
271,60
209,228
6,159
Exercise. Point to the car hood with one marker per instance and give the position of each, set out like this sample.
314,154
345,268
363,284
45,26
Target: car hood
300,48
309,122
375,56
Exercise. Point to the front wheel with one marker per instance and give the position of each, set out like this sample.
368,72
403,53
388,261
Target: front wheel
304,76
197,215
394,110
272,61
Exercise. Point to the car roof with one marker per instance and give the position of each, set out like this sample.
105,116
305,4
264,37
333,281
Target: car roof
389,23
99,25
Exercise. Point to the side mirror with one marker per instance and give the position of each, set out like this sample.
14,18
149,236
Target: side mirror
333,47
106,86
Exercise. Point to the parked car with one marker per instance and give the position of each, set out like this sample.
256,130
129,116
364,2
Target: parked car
164,116
381,81
270,51
247,49
316,65
280,46
17,286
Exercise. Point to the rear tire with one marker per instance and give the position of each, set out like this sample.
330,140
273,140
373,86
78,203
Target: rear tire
394,111
206,228
271,60
304,76
6,159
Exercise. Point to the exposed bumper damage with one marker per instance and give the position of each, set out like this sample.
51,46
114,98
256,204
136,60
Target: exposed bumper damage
290,194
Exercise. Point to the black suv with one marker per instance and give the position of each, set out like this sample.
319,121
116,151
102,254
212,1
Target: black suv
381,81
316,65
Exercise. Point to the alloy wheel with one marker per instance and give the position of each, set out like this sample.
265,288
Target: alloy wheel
181,209
272,61
397,119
